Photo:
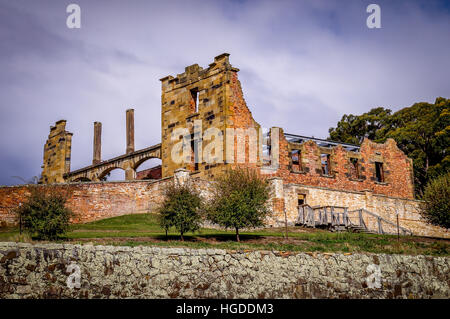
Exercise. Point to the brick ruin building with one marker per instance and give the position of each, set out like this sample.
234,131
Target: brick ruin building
303,170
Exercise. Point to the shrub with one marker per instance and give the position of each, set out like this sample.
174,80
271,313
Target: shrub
239,200
44,213
180,208
436,205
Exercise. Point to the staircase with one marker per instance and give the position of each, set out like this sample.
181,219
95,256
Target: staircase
338,218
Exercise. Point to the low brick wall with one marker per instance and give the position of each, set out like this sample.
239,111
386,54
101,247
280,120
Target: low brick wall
98,200
93,201
40,271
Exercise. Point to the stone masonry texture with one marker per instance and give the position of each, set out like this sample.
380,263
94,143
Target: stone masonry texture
40,271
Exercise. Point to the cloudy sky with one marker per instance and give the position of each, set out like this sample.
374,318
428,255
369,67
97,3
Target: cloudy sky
303,65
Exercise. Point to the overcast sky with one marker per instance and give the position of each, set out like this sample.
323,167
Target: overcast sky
303,65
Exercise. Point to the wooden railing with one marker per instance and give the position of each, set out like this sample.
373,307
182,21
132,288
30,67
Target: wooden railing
322,215
332,216
388,228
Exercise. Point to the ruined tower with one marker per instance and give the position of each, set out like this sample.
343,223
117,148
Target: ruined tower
57,151
197,107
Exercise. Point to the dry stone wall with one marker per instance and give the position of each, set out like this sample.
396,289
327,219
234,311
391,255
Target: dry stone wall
41,271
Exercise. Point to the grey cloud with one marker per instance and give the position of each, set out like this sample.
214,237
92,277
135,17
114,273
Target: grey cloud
303,64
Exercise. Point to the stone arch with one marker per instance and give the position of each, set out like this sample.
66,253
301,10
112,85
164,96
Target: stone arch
144,159
148,168
108,170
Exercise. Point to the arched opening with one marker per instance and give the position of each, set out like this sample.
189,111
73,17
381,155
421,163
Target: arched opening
149,168
112,174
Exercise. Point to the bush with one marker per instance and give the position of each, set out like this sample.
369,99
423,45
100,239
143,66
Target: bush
44,213
180,208
239,200
436,205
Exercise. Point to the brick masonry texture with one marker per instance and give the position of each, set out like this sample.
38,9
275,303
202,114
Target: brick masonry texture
40,271
397,167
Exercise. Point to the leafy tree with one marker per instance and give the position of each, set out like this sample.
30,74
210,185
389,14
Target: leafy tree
353,128
44,212
180,208
422,131
436,201
239,200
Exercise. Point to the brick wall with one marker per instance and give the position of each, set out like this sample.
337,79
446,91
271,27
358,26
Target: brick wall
94,200
98,200
397,167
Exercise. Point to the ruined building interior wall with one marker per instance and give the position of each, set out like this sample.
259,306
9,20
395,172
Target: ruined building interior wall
397,167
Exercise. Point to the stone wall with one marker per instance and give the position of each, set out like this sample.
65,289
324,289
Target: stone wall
286,198
41,271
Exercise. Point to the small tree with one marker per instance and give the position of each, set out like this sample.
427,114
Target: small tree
436,205
44,214
239,200
180,208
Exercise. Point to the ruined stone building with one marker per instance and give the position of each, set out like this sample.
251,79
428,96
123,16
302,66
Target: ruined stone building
303,170
214,96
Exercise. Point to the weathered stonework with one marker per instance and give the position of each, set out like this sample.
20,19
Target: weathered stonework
212,96
40,271
57,153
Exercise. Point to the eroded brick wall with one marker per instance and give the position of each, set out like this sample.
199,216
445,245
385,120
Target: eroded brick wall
93,201
397,167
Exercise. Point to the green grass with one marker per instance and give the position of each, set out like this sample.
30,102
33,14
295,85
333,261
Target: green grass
143,229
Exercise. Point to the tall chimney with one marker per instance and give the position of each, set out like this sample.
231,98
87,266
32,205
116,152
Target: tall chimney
130,131
97,157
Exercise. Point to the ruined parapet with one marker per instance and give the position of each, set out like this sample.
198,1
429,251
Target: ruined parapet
57,153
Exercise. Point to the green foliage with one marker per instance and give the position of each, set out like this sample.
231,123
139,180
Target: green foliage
436,197
422,131
353,128
180,208
44,213
239,200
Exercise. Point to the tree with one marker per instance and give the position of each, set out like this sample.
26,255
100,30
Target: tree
436,201
180,208
422,132
353,128
44,212
239,199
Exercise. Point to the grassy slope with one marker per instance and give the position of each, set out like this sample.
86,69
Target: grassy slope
143,229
